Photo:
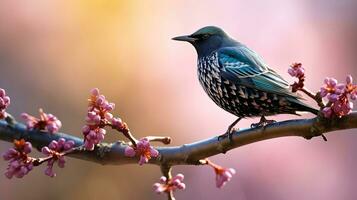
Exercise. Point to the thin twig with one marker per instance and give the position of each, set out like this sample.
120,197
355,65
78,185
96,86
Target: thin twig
163,140
316,96
39,161
126,132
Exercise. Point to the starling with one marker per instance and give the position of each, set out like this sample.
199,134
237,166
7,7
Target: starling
238,80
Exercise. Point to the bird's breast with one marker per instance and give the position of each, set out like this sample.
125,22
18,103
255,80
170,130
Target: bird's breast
236,99
221,91
209,76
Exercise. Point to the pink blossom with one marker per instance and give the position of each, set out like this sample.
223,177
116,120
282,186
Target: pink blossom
97,117
339,96
342,108
142,149
351,89
173,184
223,176
98,101
117,123
331,87
46,122
92,137
296,70
4,103
327,112
93,117
20,163
55,151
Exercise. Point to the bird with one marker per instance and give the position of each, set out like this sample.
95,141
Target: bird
238,80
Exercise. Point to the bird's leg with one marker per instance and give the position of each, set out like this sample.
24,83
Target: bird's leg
262,123
230,130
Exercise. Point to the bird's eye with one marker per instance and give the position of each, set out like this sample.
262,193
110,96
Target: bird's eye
205,36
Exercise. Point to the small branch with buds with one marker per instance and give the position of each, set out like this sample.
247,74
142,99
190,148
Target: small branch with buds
187,154
296,70
42,133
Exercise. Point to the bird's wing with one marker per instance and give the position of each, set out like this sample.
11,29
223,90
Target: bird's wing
244,67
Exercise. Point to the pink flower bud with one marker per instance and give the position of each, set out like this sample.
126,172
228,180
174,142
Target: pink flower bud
88,145
94,92
98,117
52,128
340,88
85,129
129,151
6,100
46,151
163,179
179,177
349,79
91,115
292,72
25,116
92,135
53,145
169,185
327,112
2,92
61,143
143,149
20,163
181,186
47,122
332,82
100,100
117,122
223,176
353,96
110,106
61,162
108,116
56,149
68,145
49,172
153,152
349,106
143,160
176,182
333,97
27,147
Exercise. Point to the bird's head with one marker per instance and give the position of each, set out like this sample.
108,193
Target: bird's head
207,40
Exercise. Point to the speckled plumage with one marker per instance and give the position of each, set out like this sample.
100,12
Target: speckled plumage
237,99
238,80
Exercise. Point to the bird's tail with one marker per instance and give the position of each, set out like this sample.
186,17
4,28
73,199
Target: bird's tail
309,109
302,107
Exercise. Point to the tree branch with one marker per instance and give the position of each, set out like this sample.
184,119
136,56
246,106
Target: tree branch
187,154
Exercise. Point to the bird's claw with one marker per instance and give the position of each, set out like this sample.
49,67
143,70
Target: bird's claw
229,133
262,123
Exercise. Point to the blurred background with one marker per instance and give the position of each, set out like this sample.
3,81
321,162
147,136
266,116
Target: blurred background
53,52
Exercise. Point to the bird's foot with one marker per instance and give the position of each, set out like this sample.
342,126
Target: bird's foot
262,123
229,133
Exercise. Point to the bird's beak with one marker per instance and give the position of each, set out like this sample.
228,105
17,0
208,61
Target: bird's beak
187,38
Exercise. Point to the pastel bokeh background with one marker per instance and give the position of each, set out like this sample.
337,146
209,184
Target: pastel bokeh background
53,52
